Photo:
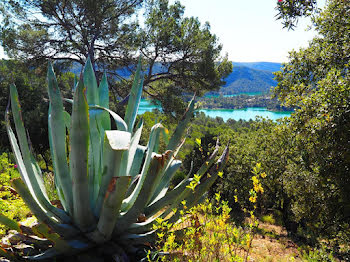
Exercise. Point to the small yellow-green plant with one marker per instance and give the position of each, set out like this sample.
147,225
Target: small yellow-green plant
11,204
205,233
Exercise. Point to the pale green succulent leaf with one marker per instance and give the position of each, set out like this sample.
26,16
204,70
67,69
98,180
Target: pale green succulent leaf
110,210
169,198
95,154
67,120
104,102
57,178
40,213
134,98
181,127
90,83
137,161
28,166
118,140
130,160
125,220
121,125
79,144
34,177
58,138
11,224
115,143
152,143
165,180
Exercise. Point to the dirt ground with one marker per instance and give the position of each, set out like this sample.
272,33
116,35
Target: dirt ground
273,245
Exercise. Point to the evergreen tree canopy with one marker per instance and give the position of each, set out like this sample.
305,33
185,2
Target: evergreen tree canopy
316,81
183,56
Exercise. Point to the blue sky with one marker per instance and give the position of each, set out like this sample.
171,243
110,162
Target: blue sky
248,29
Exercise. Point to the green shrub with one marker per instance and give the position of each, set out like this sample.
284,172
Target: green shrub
205,233
269,219
11,204
318,255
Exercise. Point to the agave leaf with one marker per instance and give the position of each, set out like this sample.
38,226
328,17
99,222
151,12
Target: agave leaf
169,171
8,254
23,142
115,143
58,139
177,135
79,144
47,254
95,152
67,120
143,227
165,180
201,173
110,209
76,246
40,214
90,83
9,223
59,243
134,98
137,161
129,160
121,125
153,141
28,175
104,102
125,220
136,239
57,178
75,83
205,183
169,198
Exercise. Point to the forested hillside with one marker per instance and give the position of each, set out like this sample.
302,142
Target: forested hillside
264,66
246,79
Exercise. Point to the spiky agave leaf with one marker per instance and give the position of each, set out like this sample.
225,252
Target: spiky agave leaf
79,144
57,131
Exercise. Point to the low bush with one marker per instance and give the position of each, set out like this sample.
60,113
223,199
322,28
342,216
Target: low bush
11,204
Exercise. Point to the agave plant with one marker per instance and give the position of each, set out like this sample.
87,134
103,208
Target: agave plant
112,189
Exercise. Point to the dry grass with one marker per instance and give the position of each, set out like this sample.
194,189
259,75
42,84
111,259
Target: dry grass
272,244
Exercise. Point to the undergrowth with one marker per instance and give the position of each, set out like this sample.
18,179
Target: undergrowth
11,204
206,232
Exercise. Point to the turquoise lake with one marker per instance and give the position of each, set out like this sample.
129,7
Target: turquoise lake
236,114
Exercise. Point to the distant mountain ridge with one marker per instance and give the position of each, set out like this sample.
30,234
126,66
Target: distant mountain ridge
246,77
264,66
250,77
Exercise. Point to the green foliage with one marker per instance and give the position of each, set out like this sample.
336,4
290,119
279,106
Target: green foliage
316,81
242,101
268,219
245,79
82,25
289,11
205,233
318,255
11,205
